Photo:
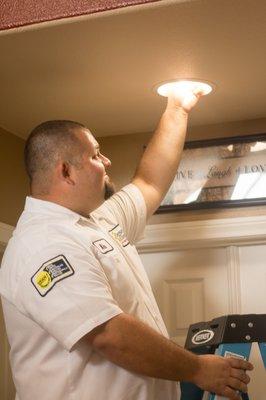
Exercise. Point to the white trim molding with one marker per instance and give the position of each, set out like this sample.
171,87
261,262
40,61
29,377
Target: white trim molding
5,234
233,280
205,233
192,234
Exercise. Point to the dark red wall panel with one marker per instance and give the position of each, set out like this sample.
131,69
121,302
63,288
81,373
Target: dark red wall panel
15,13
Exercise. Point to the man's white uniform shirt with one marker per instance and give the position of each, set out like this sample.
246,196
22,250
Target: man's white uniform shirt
63,275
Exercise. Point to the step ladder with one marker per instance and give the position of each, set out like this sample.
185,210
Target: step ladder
227,336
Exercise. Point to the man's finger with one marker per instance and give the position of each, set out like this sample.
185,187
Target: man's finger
198,92
236,384
240,374
240,364
231,394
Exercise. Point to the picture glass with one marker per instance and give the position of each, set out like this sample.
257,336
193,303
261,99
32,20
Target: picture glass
219,171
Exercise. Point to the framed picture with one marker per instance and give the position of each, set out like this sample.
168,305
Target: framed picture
227,172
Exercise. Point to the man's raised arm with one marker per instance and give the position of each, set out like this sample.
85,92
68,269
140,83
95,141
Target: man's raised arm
160,160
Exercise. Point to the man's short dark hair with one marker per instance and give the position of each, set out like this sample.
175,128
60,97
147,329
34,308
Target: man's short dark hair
49,142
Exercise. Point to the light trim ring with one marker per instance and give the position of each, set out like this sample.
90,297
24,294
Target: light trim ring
184,85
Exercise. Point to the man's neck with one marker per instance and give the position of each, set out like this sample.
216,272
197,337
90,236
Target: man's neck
63,201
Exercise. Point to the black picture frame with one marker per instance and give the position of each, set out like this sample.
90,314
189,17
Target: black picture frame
237,155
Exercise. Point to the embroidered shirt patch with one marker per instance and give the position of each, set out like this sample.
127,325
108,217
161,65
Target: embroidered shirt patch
50,273
119,236
103,246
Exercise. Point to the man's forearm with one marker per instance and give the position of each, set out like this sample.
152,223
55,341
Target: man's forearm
160,160
133,345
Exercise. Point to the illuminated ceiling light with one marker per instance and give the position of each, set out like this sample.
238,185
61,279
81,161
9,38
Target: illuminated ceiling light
183,86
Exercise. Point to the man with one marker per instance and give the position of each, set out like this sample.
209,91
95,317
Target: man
81,318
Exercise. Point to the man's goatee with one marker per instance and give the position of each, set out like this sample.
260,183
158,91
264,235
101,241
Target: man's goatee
109,190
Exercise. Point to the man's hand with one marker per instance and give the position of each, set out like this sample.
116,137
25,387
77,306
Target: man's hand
184,100
223,376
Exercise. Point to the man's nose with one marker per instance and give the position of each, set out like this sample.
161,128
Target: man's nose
106,162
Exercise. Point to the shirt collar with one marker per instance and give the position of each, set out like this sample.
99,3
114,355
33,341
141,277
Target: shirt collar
50,208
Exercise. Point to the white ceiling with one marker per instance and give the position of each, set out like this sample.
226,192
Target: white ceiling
100,70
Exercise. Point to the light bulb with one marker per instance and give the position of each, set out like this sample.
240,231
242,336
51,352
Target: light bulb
183,87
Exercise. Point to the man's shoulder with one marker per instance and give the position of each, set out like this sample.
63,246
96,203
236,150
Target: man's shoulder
34,232
124,198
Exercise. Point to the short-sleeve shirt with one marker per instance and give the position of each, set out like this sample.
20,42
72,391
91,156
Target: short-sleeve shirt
63,275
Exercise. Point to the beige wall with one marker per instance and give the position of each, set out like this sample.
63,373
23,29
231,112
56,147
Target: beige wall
125,151
13,178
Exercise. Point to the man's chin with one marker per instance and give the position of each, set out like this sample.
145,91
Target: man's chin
109,190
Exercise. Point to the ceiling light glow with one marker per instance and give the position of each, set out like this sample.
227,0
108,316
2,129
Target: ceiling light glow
184,86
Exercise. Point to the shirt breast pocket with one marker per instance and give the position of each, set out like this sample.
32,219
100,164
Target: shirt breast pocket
121,279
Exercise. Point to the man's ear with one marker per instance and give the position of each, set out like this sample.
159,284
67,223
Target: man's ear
66,173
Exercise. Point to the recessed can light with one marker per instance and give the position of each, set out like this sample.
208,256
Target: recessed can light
183,86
